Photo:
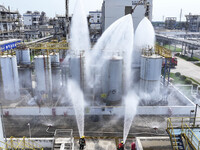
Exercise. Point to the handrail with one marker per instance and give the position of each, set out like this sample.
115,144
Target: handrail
170,126
6,144
27,143
184,120
182,132
163,51
195,141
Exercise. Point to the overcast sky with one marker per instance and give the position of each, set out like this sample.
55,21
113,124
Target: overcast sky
161,8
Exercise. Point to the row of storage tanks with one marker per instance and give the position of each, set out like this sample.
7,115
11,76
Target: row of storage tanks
109,82
14,77
50,76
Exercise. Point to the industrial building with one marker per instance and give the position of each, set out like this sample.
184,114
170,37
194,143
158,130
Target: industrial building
36,25
193,22
95,20
49,93
170,23
10,23
114,9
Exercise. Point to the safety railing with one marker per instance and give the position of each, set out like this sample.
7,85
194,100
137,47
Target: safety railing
186,144
21,143
186,124
172,134
192,138
178,122
5,145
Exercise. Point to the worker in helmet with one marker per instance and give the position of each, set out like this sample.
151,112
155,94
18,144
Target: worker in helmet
121,146
82,142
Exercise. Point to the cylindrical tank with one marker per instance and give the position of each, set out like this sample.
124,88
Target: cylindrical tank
23,56
25,78
56,81
111,79
75,69
56,74
9,77
150,74
115,71
55,59
2,145
43,75
105,76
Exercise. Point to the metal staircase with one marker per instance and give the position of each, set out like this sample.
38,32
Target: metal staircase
182,137
63,140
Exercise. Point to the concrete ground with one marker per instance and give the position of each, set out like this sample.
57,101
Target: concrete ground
102,133
103,126
188,69
97,144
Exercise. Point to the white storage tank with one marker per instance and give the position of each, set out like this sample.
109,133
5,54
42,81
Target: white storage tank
23,56
150,74
55,59
1,132
10,79
56,74
43,74
56,81
105,76
115,79
25,78
112,80
76,69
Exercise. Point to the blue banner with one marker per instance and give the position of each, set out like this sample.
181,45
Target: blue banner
9,46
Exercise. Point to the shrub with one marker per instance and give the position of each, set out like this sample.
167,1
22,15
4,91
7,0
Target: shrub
195,86
188,81
177,74
182,77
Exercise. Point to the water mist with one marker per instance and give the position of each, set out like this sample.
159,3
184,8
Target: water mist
77,98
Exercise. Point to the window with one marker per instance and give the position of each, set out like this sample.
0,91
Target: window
128,10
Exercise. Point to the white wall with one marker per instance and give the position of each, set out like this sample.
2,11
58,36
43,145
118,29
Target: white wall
141,110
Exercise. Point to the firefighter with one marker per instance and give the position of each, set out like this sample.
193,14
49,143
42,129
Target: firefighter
121,146
82,142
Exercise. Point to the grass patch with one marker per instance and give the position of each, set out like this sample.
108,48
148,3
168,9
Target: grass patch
172,48
189,58
193,80
198,64
177,80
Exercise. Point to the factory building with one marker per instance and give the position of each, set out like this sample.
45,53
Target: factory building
170,23
193,22
36,25
10,23
114,9
33,20
95,20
